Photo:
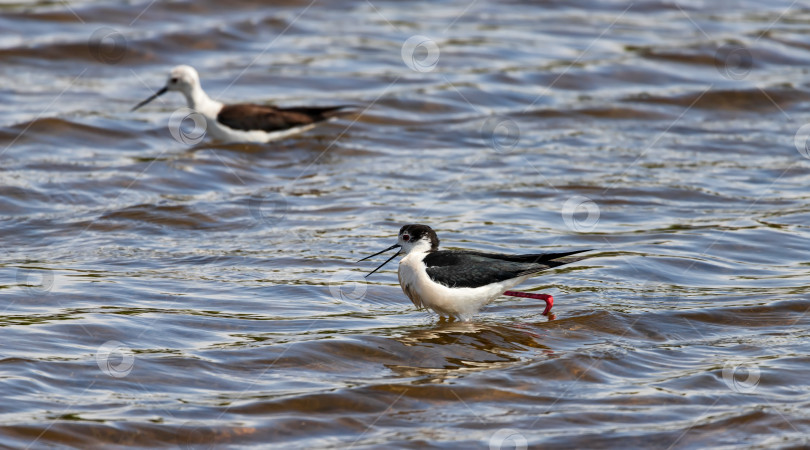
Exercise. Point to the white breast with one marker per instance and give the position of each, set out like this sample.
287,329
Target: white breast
462,303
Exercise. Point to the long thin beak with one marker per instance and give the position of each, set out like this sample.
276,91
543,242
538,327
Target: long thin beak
154,96
386,262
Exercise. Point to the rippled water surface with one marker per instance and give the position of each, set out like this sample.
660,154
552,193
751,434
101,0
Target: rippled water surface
156,293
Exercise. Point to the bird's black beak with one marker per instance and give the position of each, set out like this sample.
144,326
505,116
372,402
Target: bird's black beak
386,262
154,96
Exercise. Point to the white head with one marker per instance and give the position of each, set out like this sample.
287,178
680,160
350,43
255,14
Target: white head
181,79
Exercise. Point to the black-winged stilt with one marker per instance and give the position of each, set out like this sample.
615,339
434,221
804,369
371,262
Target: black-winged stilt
458,283
243,122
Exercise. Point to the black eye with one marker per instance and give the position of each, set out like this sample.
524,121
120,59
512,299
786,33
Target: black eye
406,238
173,80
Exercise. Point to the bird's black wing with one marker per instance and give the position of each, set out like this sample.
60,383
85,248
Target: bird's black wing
249,117
317,113
476,269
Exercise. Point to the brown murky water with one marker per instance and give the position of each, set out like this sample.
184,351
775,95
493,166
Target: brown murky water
162,294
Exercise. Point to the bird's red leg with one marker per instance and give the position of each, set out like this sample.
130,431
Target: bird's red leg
545,297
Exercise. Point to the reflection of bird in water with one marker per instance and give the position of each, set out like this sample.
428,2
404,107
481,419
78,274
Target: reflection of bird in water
458,283
449,349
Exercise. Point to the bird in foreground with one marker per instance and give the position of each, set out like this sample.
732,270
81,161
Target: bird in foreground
243,122
458,283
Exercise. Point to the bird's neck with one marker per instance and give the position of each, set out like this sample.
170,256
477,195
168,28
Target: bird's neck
199,101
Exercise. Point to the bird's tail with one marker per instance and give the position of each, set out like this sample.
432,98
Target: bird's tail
561,259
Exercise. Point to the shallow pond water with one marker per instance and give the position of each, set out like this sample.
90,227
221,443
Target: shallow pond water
156,293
